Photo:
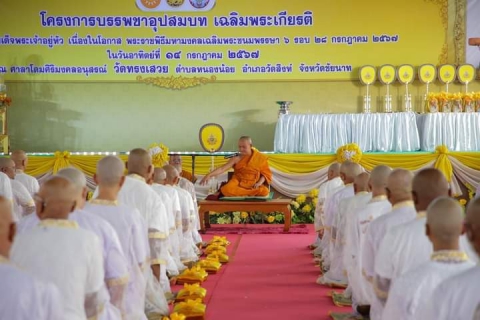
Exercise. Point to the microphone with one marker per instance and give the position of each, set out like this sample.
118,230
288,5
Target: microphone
236,154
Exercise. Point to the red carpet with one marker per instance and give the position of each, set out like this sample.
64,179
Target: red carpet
269,277
220,229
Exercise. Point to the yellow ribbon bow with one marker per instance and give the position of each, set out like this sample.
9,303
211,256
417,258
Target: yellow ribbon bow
62,160
193,289
443,163
191,308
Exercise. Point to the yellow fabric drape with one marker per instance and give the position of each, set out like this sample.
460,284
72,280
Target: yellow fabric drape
288,163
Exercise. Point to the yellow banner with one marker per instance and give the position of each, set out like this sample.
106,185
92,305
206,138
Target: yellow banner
123,40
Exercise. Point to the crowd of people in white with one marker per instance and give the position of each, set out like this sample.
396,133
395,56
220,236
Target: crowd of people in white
398,243
112,257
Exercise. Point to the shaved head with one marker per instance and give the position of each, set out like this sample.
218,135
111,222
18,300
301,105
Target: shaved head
399,186
75,176
172,174
472,224
360,184
58,196
20,159
246,139
245,145
333,170
160,175
445,220
379,176
140,162
7,166
428,185
349,170
110,171
7,226
175,159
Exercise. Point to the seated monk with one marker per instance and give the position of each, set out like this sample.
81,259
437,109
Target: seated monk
251,175
176,161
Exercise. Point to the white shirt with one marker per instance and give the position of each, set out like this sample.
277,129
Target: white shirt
187,185
60,252
413,291
22,200
6,187
29,182
128,223
115,264
40,300
187,244
167,202
456,298
325,190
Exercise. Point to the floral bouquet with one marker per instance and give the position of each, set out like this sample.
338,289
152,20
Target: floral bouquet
303,207
468,102
457,102
476,98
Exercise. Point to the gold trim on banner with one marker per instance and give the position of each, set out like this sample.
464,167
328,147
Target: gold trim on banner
176,83
459,35
443,4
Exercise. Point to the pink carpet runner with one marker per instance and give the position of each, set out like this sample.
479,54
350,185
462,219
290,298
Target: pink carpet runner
270,276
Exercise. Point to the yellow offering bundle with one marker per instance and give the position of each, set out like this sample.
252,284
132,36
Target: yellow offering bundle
175,316
221,241
210,265
191,292
215,247
192,309
193,275
217,255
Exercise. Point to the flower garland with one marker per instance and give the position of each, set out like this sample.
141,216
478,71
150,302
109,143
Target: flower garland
159,153
350,152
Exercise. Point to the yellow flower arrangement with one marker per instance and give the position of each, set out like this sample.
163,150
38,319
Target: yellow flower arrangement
350,152
315,202
244,215
301,199
271,219
313,193
175,316
307,208
159,153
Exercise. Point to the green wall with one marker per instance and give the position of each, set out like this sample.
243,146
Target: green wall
46,117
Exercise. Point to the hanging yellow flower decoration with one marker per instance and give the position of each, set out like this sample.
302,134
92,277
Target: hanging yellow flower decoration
349,152
159,153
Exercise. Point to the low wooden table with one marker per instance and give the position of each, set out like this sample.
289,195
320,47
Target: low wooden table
280,205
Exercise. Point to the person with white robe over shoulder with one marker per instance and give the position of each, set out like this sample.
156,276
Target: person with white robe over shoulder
459,296
22,200
337,275
399,185
59,252
136,193
6,191
333,183
40,299
20,159
187,245
115,264
411,293
348,171
128,223
160,183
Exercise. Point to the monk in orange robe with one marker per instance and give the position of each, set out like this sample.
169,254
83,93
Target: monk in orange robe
251,176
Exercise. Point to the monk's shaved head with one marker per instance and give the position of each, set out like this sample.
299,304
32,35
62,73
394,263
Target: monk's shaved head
333,170
58,196
379,176
160,175
75,176
445,220
7,226
427,185
349,170
473,224
20,158
172,174
7,166
140,162
110,171
360,184
246,139
399,185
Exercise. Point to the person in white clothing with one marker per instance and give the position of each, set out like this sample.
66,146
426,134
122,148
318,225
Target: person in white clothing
399,186
40,299
412,292
337,275
128,223
6,189
21,160
333,183
459,296
136,193
159,183
22,200
60,252
348,171
187,245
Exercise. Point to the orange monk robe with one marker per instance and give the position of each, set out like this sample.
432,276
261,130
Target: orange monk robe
246,174
187,175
